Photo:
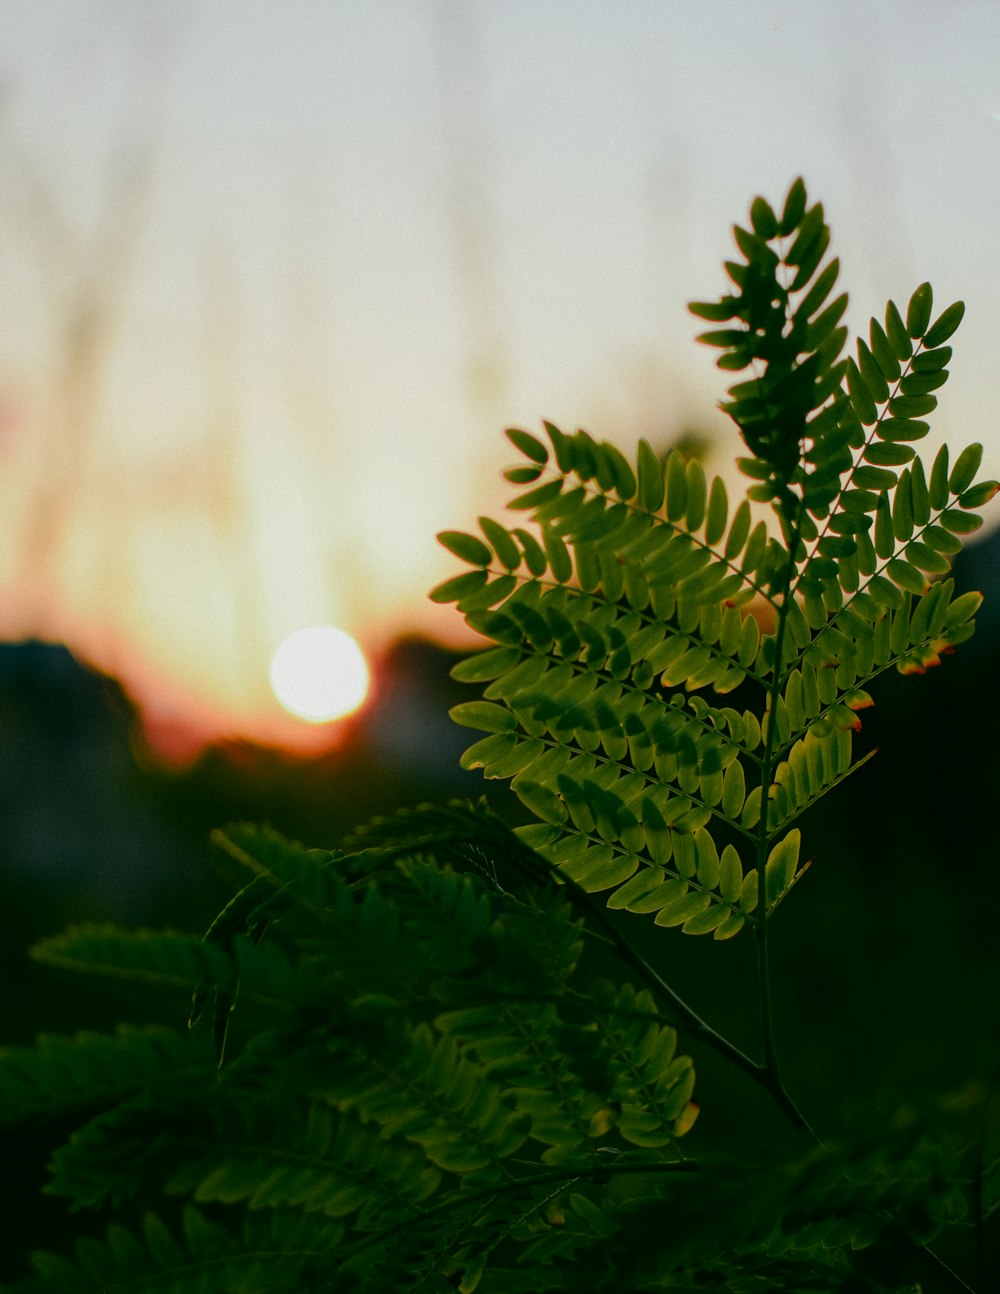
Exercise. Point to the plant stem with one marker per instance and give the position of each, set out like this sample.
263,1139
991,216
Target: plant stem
692,1020
941,1269
688,1016
563,1176
763,840
765,1075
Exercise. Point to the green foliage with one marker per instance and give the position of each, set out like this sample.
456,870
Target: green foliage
409,1065
638,590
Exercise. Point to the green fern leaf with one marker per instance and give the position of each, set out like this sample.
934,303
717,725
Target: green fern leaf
168,959
60,1074
270,1253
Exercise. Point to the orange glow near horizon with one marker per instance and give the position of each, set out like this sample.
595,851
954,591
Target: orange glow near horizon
192,683
270,292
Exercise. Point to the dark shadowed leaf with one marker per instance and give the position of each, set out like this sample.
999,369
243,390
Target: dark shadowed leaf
918,312
794,209
965,469
455,589
467,547
530,446
946,324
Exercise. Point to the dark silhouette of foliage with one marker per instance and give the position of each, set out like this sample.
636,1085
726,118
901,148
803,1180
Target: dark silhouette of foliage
435,1060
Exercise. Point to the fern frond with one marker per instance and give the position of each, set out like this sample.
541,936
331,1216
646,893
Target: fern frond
625,598
437,1095
514,1041
586,742
313,879
89,1069
652,1085
318,1159
810,1224
166,958
275,1252
263,977
459,834
775,325
429,1086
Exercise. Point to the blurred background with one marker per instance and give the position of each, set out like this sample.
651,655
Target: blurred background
273,278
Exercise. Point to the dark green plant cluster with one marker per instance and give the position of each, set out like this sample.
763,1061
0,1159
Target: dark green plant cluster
434,1060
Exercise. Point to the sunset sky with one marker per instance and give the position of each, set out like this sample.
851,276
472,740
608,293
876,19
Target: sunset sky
274,277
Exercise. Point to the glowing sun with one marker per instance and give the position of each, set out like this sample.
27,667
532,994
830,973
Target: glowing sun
319,674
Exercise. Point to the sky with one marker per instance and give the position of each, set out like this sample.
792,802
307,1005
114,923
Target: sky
275,276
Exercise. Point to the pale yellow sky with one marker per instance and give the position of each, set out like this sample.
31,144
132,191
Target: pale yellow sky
274,276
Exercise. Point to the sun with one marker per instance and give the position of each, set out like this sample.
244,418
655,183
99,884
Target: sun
319,674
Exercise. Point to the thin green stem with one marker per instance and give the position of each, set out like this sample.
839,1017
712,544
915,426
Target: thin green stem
565,1176
767,771
692,1020
944,1272
531,862
562,1178
687,1017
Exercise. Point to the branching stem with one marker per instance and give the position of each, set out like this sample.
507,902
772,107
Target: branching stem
763,841
763,1074
563,1176
688,1017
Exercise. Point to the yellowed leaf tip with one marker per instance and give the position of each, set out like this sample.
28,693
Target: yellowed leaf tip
928,657
554,1214
687,1118
600,1123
